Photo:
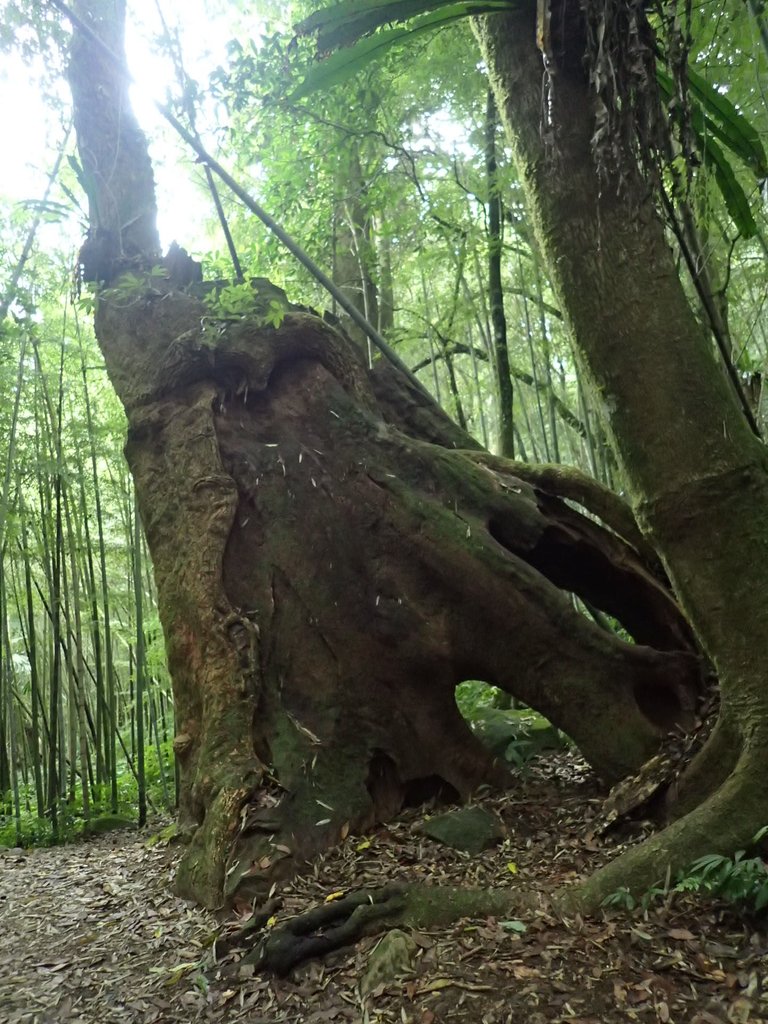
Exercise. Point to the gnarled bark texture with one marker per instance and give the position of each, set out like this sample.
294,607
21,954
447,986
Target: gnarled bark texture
331,562
326,579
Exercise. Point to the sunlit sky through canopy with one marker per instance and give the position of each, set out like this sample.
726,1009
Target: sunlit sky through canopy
37,124
205,27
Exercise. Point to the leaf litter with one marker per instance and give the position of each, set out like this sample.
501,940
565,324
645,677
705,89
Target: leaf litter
93,934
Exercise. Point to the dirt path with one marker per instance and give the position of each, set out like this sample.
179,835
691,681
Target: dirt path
92,934
89,933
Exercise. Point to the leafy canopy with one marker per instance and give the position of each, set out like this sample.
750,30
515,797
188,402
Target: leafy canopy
353,33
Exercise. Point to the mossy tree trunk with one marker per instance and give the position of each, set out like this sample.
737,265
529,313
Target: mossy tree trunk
333,557
698,476
326,579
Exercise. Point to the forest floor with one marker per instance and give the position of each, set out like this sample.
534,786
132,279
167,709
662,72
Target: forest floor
92,934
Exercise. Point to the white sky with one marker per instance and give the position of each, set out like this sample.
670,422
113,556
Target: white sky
204,37
37,131
205,27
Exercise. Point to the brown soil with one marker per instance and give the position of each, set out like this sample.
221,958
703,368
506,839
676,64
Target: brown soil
93,934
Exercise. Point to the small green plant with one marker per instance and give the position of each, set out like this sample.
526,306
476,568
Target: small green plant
474,695
513,734
132,286
738,879
622,899
258,298
31,831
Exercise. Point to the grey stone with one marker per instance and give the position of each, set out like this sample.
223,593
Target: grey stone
470,829
394,956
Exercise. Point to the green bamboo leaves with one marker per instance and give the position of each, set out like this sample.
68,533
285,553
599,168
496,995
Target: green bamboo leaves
714,117
346,22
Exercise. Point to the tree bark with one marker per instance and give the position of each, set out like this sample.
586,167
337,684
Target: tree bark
331,562
326,580
355,250
698,476
122,211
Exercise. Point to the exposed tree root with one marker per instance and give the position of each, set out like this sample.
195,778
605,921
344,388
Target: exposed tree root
569,482
255,923
326,928
727,820
724,822
342,922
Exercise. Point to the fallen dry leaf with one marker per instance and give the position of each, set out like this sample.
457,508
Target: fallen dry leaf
91,933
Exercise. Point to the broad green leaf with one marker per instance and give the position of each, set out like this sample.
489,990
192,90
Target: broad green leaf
706,130
519,927
738,133
84,179
346,22
48,206
711,109
735,198
345,62
379,12
77,204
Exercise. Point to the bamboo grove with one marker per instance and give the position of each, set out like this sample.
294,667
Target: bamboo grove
82,674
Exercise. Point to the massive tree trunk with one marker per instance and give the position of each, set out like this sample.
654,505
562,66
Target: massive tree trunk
698,476
327,577
331,564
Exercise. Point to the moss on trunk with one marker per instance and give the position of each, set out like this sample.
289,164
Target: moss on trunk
698,476
326,580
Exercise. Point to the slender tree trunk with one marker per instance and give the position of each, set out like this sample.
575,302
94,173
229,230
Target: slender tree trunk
36,697
77,689
504,391
13,715
386,284
138,596
354,257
